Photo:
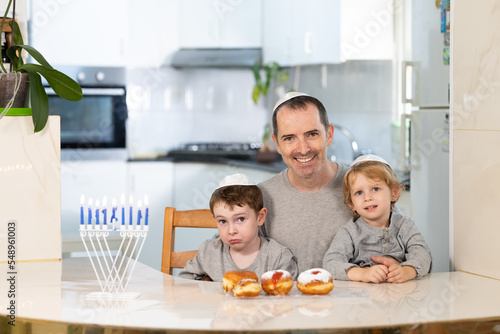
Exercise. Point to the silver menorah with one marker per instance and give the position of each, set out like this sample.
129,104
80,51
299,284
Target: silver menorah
113,272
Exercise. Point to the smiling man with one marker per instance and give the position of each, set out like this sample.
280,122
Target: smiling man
305,201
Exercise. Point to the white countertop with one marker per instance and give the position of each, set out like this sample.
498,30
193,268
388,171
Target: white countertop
58,292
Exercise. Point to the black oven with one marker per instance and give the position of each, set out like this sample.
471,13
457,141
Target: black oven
98,120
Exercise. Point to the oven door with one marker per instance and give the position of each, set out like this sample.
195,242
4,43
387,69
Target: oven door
96,121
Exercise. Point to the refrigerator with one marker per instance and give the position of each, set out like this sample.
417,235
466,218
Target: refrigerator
424,124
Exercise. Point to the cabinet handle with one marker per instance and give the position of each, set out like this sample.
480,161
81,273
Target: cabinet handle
406,78
405,151
308,42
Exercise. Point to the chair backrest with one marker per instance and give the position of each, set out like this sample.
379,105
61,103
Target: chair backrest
189,218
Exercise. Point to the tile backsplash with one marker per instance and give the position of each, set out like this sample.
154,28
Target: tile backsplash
168,107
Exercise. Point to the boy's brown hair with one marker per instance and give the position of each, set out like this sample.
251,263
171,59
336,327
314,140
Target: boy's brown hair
373,170
238,195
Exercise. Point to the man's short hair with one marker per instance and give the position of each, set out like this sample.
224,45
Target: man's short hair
301,102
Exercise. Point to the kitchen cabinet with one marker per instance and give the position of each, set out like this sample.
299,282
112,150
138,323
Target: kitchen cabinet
93,179
152,34
81,32
220,24
154,180
327,31
297,33
367,29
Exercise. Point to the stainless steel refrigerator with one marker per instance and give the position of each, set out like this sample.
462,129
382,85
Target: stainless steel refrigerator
425,86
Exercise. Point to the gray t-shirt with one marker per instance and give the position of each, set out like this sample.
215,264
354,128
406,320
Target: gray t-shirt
304,222
213,260
356,242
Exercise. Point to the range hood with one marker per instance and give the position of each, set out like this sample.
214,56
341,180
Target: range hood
216,58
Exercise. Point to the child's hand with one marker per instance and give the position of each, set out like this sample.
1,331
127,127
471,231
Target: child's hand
374,274
401,274
397,273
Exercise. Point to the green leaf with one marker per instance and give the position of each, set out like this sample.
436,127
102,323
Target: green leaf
18,37
35,54
62,85
14,58
255,93
39,102
256,72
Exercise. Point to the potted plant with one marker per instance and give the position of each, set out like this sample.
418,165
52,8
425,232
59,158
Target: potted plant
27,76
273,75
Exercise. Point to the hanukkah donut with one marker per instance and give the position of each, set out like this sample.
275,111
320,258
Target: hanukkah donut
315,281
247,287
276,282
231,278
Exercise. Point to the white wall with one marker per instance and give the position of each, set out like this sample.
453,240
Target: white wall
476,136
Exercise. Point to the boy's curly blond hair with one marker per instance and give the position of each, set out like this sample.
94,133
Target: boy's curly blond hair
373,170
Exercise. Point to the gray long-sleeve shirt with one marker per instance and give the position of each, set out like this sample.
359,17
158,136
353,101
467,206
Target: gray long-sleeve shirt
356,242
304,222
213,260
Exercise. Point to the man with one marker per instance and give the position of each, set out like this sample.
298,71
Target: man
305,201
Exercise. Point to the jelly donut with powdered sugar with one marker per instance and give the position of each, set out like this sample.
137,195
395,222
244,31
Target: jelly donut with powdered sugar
315,281
276,282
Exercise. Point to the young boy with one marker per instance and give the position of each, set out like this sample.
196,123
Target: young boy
238,208
378,244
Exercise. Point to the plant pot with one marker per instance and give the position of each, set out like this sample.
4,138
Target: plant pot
8,82
30,195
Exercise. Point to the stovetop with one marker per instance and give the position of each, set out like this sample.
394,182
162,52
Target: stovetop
215,150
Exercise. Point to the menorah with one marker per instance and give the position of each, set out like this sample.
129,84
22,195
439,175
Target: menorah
113,272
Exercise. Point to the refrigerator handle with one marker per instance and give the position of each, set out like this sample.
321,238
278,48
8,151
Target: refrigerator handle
406,82
405,143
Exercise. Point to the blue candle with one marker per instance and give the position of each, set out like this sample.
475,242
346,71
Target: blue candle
104,210
90,212
146,203
113,211
82,201
139,213
97,212
123,209
131,201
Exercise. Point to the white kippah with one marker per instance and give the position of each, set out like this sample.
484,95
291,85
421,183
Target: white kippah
236,180
288,96
369,157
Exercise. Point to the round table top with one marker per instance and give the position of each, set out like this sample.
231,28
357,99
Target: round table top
67,294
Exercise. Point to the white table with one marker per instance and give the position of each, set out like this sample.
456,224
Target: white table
53,297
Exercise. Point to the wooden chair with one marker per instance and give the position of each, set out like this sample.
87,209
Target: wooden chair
190,218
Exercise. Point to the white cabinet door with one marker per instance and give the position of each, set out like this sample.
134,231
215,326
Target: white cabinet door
80,32
367,29
152,34
154,180
93,179
220,24
301,33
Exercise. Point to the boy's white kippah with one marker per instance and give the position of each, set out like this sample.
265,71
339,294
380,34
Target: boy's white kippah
288,96
369,157
236,180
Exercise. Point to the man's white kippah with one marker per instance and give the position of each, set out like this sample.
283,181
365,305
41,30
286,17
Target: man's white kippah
236,180
369,157
288,96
